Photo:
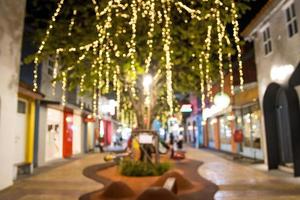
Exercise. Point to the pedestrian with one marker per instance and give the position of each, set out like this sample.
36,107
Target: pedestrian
171,144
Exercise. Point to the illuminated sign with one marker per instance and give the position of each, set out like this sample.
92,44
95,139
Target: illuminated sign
186,108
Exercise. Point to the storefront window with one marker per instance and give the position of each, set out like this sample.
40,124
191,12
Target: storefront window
256,129
248,119
211,123
225,130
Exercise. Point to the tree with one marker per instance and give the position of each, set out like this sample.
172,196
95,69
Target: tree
109,45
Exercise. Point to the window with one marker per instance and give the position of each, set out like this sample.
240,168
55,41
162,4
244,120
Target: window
21,107
267,41
50,67
291,20
225,130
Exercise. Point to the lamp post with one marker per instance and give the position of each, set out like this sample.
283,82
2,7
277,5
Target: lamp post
147,82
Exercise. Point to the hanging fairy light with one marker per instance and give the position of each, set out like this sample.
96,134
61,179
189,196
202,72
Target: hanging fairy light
132,50
220,51
202,80
71,25
55,72
167,43
150,34
207,63
237,42
230,69
64,88
36,59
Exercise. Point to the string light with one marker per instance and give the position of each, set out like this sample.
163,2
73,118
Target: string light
230,69
220,50
64,87
167,43
132,50
44,41
207,63
55,72
237,42
150,34
71,25
202,80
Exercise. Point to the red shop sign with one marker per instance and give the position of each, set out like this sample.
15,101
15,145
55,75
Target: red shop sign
238,136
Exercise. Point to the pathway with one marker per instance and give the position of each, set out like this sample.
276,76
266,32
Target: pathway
238,181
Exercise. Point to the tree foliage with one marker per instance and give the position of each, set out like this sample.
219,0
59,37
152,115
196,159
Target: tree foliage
188,35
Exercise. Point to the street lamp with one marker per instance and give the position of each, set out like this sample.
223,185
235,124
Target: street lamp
147,82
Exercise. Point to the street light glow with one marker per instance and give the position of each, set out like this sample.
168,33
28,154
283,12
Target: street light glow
147,82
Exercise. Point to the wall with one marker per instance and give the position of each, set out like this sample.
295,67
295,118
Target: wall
11,29
285,51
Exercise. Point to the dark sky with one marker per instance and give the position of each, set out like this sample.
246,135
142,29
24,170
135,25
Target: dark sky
255,6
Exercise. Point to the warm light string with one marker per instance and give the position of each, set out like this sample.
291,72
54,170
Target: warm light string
64,87
195,14
132,50
230,69
237,42
167,44
81,89
202,80
55,72
220,50
71,25
207,63
36,59
118,91
150,34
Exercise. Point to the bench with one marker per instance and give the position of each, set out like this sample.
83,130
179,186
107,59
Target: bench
171,185
24,168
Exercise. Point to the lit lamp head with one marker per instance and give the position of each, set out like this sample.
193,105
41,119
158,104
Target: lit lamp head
221,100
147,81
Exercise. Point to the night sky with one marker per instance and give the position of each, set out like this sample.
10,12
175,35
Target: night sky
255,6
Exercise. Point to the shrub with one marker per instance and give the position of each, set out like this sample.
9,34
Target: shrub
138,168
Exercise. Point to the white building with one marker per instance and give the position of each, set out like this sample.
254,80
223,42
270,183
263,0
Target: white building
11,28
64,130
275,32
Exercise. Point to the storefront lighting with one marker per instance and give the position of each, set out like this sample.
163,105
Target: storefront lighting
147,81
186,108
203,123
221,100
230,117
281,73
69,119
213,121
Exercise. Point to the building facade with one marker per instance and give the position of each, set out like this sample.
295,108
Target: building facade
242,114
11,29
275,33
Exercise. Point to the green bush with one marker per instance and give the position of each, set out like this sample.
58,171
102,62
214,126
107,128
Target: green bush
138,168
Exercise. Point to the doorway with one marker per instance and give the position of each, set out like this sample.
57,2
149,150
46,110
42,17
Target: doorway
284,129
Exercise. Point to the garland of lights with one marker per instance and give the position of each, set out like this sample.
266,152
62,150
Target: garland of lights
237,42
44,41
104,49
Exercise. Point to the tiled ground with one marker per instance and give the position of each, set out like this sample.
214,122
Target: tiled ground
236,181
239,181
64,182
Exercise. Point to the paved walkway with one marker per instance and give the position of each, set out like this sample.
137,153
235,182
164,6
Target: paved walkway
64,182
236,181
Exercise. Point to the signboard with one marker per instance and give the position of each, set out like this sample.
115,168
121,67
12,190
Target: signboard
145,138
186,108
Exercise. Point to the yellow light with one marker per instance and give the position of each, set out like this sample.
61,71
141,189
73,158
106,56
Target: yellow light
36,59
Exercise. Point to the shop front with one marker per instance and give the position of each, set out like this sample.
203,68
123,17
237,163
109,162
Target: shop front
248,119
77,133
24,132
68,134
54,134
